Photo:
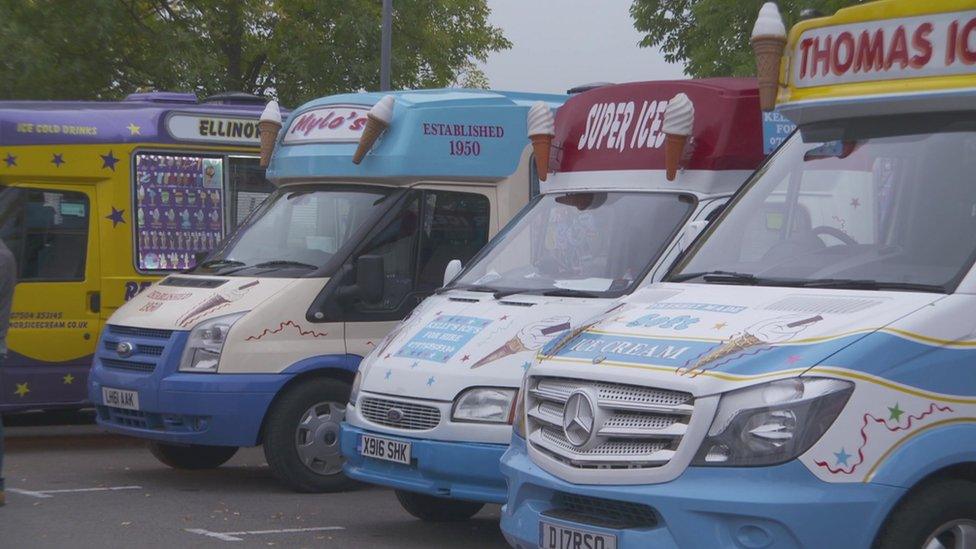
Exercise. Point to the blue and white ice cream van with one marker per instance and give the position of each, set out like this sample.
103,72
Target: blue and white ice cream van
432,407
806,375
259,344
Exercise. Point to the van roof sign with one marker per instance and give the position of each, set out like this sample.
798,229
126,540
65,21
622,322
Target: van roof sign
618,127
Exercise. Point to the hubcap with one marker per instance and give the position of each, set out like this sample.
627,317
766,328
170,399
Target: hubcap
317,438
958,534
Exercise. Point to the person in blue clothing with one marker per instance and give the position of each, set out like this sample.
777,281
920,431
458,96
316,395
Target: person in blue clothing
8,279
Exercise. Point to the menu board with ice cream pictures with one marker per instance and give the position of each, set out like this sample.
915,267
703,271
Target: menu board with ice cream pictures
179,209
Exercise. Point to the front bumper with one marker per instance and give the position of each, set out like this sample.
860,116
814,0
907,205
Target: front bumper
460,470
181,408
781,506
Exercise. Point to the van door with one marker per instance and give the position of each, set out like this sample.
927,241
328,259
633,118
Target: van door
52,231
434,227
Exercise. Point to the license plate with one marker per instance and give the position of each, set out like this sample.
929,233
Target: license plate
385,448
119,398
555,536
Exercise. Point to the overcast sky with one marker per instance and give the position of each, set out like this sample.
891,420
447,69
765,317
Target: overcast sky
558,44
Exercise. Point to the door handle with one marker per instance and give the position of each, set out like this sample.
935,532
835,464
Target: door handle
95,302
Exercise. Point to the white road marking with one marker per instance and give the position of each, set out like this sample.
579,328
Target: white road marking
47,493
233,536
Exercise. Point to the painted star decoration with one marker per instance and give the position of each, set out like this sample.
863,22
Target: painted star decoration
22,390
68,379
720,325
896,412
525,365
116,216
842,457
109,160
855,203
133,129
793,359
11,160
415,364
430,381
57,160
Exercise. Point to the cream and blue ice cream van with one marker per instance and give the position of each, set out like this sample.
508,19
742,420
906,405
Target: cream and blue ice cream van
260,342
432,407
805,376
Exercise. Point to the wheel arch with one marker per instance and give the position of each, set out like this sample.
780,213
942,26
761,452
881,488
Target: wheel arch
339,367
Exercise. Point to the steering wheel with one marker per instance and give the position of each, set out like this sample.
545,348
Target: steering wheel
836,233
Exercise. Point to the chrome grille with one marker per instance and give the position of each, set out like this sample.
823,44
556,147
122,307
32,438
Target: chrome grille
150,350
602,512
641,427
139,332
412,416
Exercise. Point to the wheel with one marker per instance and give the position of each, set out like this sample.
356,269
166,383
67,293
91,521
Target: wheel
301,436
192,456
434,509
939,515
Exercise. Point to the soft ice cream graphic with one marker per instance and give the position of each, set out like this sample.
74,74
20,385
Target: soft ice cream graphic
768,332
768,41
542,128
679,120
268,127
377,120
217,300
529,338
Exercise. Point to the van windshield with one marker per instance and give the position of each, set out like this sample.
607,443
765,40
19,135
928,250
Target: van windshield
879,203
295,229
586,243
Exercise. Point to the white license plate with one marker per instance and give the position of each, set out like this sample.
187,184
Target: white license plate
385,448
555,536
119,398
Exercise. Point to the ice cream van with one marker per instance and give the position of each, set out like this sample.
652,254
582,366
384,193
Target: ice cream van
98,199
638,170
258,344
804,377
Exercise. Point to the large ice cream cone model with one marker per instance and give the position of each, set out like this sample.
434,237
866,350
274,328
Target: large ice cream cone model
679,119
768,42
377,121
542,128
268,127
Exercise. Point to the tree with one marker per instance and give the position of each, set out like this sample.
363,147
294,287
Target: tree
294,50
711,37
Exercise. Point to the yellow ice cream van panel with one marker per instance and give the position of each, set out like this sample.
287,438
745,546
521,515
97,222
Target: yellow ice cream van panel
881,48
97,200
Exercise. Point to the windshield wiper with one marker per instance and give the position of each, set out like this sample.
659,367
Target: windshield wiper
868,284
567,292
221,263
285,263
729,277
467,288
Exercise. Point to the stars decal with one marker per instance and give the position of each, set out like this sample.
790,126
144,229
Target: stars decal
22,390
793,359
116,217
134,129
720,325
57,160
465,358
109,161
430,381
842,457
525,365
895,412
68,379
855,203
11,160
389,374
415,364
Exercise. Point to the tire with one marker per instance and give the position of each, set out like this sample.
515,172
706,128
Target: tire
301,436
435,509
941,506
191,456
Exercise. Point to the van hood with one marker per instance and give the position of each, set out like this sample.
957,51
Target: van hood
180,302
463,339
700,337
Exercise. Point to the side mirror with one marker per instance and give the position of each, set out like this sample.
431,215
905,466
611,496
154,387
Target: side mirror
453,269
690,233
370,280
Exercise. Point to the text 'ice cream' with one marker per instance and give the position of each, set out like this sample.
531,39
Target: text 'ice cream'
542,128
377,120
679,121
768,42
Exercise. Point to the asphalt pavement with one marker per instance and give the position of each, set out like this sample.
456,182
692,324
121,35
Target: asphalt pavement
71,485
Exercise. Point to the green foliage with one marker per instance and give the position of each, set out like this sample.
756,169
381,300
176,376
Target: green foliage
711,37
294,50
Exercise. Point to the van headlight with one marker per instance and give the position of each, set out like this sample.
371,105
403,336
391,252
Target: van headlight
773,422
202,353
485,405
